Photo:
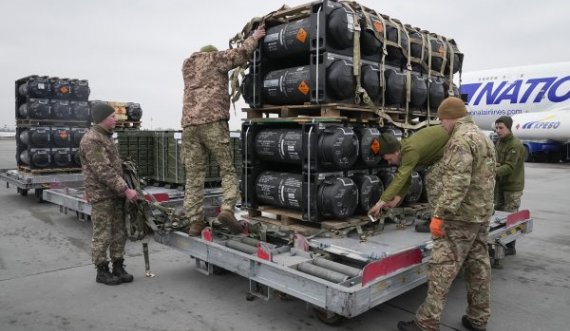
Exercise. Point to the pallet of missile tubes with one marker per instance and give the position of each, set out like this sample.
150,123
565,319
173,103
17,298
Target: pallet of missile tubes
52,115
319,172
338,58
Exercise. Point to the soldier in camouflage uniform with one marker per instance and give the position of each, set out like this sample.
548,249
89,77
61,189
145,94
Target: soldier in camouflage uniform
106,191
460,223
421,150
510,171
205,128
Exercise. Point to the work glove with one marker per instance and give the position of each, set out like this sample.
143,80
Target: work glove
436,227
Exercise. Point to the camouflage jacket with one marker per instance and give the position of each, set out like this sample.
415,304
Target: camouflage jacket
422,149
467,172
101,166
510,166
206,95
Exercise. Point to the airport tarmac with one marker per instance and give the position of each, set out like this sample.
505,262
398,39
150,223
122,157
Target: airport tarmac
47,281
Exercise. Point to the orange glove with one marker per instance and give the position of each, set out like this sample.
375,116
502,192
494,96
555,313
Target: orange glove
436,227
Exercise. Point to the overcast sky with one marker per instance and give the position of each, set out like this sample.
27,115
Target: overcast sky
133,50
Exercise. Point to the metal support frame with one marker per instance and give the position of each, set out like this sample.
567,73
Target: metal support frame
280,273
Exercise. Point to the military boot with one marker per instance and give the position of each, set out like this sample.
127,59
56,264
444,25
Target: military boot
408,326
469,326
104,276
120,272
228,219
196,228
423,226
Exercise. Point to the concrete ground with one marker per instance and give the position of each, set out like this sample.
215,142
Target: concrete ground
48,283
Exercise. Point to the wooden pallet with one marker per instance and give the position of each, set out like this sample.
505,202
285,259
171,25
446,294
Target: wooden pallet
24,123
128,125
294,220
43,171
335,110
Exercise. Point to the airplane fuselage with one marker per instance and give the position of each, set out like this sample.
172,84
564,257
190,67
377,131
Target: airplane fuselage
518,91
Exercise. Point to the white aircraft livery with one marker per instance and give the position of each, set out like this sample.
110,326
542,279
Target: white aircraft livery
537,97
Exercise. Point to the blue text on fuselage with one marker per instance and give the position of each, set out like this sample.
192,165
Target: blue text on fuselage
541,125
518,91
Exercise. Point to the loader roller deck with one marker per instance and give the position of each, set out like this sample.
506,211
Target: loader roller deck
341,277
388,264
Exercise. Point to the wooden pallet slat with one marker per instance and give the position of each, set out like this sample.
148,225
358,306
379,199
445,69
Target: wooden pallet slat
38,171
50,122
286,217
128,124
335,110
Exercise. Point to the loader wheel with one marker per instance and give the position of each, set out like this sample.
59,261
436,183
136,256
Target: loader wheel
328,317
22,191
39,194
219,271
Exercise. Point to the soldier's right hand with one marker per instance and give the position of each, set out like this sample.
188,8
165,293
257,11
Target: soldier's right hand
376,209
131,195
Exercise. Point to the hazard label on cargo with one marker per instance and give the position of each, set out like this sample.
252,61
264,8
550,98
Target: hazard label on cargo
375,146
378,26
302,35
303,88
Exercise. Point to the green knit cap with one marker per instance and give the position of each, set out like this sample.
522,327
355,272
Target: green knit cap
208,49
389,144
100,111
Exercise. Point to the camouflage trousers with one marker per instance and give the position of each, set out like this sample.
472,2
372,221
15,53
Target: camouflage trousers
197,141
507,201
109,231
463,245
432,182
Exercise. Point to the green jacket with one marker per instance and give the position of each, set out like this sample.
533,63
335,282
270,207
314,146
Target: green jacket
510,164
422,149
467,175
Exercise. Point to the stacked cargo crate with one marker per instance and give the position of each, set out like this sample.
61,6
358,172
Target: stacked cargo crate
137,146
158,156
354,70
52,115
